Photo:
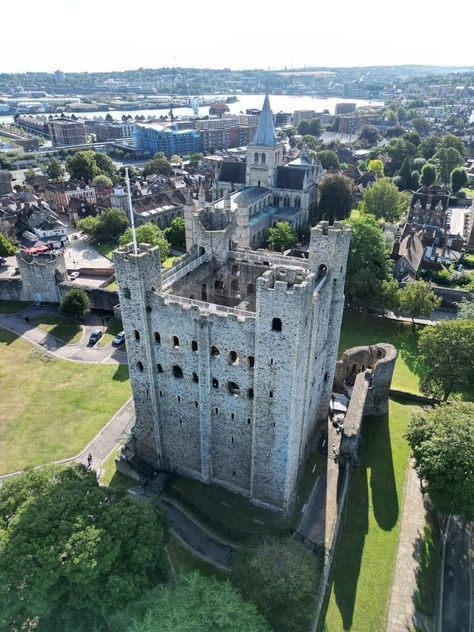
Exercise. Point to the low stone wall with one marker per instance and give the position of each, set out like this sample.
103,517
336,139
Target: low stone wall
10,289
99,298
450,296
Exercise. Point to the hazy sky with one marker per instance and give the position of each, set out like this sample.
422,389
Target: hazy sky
92,35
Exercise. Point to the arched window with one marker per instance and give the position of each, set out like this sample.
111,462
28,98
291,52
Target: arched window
194,345
215,353
195,378
250,393
234,388
276,200
264,158
160,368
255,158
137,335
286,201
233,357
276,324
297,202
204,291
250,288
251,362
157,338
215,382
234,286
235,269
177,371
175,341
140,367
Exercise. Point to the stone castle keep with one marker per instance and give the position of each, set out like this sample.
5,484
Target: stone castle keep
232,355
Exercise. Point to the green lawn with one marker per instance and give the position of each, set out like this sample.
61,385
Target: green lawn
105,248
168,262
468,261
114,326
65,329
366,552
367,330
112,287
49,408
13,307
427,574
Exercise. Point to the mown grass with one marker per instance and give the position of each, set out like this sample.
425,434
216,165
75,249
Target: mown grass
114,326
13,307
105,248
367,547
65,329
49,408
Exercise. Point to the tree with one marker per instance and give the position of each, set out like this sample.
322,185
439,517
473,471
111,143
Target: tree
89,225
281,578
442,443
54,170
368,264
405,176
131,171
303,127
7,249
422,126
369,135
375,166
401,114
195,159
105,164
72,552
315,127
175,159
75,303
447,353
82,166
102,182
112,223
395,131
447,160
398,149
175,234
458,179
418,299
159,165
428,146
390,295
412,137
328,158
450,140
148,233
335,200
280,237
194,604
465,309
384,201
428,174
310,141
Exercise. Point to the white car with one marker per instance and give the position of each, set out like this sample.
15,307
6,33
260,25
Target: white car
74,275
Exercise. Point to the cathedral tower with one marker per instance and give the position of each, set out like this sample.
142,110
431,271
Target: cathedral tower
265,152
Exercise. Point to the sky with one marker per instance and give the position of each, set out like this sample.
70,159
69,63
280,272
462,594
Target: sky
102,35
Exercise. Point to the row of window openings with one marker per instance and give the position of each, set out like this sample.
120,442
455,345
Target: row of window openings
216,412
276,326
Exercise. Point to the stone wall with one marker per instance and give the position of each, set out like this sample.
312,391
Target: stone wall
100,298
10,289
41,276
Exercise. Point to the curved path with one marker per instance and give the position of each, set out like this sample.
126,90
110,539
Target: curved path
79,352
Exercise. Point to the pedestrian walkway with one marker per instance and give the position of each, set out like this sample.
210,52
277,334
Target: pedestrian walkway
77,352
402,616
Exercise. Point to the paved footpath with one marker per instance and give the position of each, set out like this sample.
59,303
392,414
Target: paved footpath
401,617
76,352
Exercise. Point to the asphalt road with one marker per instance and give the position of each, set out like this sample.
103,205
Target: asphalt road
457,586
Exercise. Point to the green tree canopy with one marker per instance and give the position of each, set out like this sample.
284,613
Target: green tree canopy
369,135
428,147
442,443
75,303
148,233
447,352
376,166
328,158
175,159
71,552
303,127
54,170
368,264
311,141
110,224
422,126
194,604
405,179
384,201
82,166
336,197
195,159
7,249
418,299
447,159
102,182
281,578
465,309
451,140
458,179
390,295
280,237
175,233
398,149
315,127
428,174
159,165
105,164
412,137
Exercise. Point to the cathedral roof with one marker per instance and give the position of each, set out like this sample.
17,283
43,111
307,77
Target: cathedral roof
265,134
232,172
290,178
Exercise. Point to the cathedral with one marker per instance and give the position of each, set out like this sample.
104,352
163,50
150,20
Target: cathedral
264,189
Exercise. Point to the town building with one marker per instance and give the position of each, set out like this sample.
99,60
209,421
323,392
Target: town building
303,115
5,182
59,195
152,138
66,131
345,108
232,354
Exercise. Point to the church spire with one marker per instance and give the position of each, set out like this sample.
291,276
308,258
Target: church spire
265,134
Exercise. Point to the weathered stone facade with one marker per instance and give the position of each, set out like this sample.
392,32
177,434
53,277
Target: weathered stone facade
41,275
232,357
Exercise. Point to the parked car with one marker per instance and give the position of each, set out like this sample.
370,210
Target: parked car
119,339
2,261
94,337
74,275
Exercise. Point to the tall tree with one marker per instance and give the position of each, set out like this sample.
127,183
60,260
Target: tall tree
71,552
422,126
303,127
450,140
102,182
442,443
175,233
447,352
465,309
7,248
418,299
194,604
375,166
315,127
368,264
384,201
148,233
336,197
447,159
428,174
428,147
82,166
328,158
75,303
398,149
280,237
369,135
157,165
458,179
105,164
404,175
281,578
54,170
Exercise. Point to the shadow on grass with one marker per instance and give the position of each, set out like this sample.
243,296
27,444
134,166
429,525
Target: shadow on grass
426,551
121,373
376,469
7,336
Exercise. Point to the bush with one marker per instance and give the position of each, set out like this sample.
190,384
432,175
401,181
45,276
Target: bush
75,303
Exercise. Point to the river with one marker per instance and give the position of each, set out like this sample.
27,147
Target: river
278,102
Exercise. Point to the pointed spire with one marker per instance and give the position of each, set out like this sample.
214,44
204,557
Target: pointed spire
265,134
